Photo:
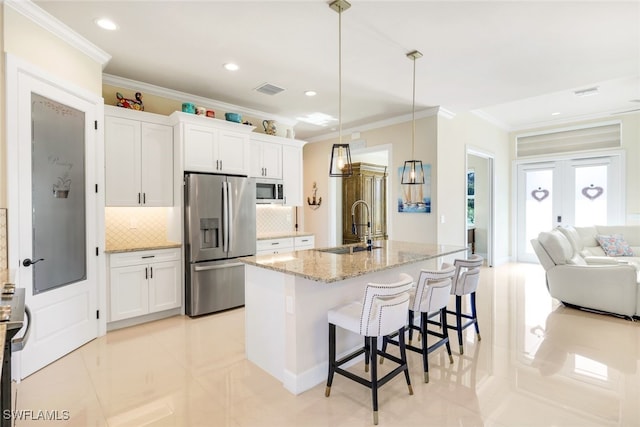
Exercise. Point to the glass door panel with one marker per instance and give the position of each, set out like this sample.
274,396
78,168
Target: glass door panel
58,195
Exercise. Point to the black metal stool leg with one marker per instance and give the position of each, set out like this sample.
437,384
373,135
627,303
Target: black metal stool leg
473,313
445,331
425,346
332,358
374,378
459,321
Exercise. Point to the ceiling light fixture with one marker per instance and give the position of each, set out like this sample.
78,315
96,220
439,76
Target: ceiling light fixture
230,66
106,24
556,113
310,93
412,172
340,153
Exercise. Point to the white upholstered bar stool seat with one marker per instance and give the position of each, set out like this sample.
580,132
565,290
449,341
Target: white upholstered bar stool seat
465,282
429,299
382,311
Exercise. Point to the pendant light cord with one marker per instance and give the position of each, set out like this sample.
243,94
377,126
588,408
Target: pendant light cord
413,113
340,75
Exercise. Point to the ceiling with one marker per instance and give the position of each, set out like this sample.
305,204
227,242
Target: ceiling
512,62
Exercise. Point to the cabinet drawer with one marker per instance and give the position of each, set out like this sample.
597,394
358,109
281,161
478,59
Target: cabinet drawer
144,257
279,244
305,242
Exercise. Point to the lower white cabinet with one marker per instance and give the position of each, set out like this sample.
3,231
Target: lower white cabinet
302,243
284,244
144,282
274,246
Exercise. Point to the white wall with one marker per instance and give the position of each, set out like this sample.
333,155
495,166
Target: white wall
454,137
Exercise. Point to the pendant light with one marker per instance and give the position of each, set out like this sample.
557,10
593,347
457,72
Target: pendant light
412,172
340,153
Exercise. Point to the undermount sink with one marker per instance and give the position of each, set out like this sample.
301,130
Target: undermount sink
341,250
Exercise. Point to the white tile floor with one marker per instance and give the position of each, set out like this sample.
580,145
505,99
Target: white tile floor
538,364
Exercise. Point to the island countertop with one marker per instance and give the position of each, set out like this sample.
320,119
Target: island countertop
321,266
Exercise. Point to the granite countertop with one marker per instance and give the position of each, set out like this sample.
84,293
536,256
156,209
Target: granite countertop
314,264
146,246
282,235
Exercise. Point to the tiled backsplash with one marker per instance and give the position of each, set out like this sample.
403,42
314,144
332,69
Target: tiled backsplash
126,227
275,219
131,227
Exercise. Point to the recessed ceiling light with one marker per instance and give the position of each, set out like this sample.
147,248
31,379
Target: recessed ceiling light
230,66
319,119
106,24
310,93
556,113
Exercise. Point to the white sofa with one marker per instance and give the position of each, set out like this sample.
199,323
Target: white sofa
580,274
583,240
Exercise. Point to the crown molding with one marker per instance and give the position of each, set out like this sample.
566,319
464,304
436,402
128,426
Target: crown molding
433,111
34,13
446,114
198,100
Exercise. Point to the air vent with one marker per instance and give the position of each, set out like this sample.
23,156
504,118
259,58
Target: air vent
269,89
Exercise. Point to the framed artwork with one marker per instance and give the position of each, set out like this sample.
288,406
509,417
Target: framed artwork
415,198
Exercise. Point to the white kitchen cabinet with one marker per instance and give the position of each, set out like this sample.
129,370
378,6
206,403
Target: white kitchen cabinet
144,282
138,161
302,243
292,174
284,244
266,159
212,145
274,246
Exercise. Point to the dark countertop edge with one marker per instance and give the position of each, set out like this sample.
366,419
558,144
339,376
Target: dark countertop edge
284,235
143,248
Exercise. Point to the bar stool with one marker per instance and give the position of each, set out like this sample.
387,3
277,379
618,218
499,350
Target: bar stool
382,311
465,282
429,298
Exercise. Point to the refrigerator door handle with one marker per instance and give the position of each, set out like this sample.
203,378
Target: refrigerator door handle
225,217
218,267
230,232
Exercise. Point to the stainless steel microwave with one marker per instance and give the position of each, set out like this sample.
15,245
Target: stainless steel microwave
269,191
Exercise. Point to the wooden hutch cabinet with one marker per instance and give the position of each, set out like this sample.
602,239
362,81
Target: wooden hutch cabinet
368,183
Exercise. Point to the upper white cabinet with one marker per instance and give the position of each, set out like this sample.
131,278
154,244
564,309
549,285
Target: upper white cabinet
212,145
292,174
138,159
279,158
266,159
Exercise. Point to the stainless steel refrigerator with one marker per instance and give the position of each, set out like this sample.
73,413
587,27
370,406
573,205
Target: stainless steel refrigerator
220,226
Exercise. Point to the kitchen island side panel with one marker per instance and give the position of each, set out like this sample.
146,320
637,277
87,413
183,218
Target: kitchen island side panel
286,315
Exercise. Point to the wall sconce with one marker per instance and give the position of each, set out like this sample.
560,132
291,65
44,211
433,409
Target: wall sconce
313,203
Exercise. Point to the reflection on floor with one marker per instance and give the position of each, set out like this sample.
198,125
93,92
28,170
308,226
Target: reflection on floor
538,364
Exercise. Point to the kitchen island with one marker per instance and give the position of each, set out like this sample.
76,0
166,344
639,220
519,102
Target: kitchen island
288,295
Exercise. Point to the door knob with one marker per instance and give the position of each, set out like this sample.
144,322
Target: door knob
27,261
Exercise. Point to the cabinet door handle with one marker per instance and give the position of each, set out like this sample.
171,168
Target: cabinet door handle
144,198
151,270
146,273
220,164
138,198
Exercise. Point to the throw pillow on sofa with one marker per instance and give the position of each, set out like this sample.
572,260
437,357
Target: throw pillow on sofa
614,245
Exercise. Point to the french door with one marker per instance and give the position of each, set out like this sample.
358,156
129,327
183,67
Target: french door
53,211
575,191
